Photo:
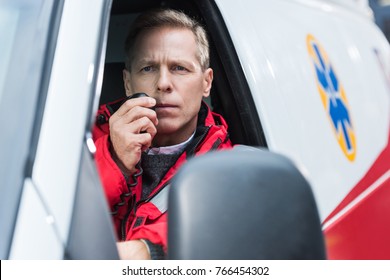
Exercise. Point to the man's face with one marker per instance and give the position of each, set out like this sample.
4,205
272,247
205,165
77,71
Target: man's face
165,66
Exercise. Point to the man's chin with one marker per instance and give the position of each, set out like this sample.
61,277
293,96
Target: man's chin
166,127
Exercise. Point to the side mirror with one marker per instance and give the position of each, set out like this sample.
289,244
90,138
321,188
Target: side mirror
243,203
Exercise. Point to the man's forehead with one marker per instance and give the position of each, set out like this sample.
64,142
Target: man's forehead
166,45
177,33
176,42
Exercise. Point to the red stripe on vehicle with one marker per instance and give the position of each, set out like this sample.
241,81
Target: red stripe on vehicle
378,169
363,232
359,227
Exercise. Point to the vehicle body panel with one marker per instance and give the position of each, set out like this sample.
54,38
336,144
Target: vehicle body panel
56,166
273,45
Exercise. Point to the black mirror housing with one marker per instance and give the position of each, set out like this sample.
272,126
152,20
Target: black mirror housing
243,203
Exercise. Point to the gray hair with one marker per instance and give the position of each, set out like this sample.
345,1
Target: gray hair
168,18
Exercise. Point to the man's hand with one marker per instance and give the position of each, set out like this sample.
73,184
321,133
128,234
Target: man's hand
132,129
133,250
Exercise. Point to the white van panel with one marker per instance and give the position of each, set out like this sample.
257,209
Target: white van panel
36,234
66,114
271,43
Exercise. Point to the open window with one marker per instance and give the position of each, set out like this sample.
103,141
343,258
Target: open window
230,95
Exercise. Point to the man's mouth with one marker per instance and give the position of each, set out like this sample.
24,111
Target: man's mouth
158,106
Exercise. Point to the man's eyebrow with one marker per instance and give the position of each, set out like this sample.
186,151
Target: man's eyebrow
152,61
145,61
175,61
186,63
180,61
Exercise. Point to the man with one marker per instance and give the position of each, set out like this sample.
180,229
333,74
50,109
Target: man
142,142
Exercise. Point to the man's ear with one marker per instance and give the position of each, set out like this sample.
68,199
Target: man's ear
208,79
126,81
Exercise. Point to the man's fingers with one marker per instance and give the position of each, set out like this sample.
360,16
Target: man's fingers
132,129
145,139
137,113
147,102
143,125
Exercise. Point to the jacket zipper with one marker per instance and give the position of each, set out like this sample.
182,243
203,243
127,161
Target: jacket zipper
202,137
191,152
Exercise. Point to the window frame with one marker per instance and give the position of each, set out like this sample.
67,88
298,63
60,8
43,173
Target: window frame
22,111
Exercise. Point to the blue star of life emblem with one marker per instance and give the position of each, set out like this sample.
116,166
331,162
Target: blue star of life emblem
333,98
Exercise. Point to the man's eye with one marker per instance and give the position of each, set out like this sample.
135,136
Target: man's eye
179,68
147,69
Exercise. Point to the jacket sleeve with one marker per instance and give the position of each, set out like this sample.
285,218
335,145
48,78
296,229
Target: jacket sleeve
152,229
114,183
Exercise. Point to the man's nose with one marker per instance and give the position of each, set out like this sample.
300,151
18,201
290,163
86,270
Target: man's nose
164,83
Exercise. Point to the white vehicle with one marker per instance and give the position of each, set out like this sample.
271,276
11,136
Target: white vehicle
307,79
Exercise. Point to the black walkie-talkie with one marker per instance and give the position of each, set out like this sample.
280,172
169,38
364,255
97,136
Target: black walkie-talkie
136,95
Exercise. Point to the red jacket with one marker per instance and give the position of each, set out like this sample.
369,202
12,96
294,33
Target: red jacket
147,219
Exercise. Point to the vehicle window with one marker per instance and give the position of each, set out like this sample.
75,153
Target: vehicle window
230,93
24,29
8,24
